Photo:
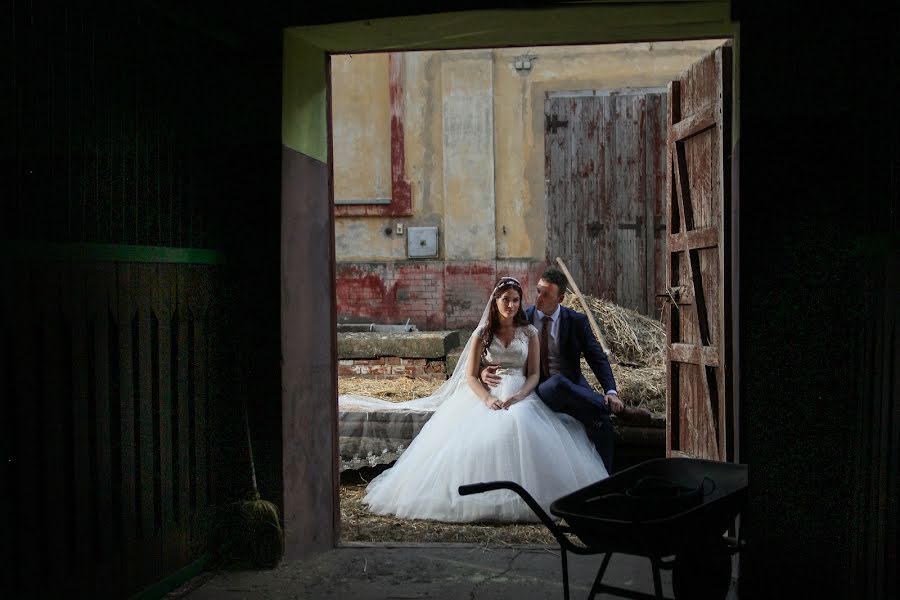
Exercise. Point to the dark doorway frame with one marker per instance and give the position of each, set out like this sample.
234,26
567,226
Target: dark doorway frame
309,359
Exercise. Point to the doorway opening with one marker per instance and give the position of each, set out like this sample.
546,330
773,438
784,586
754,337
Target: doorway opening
451,168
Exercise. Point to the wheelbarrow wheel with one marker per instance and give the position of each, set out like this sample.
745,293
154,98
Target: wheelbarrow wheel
703,571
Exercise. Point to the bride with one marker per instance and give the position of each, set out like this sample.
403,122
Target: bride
479,434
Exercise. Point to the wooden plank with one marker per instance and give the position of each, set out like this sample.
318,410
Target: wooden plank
711,356
612,208
694,240
182,456
127,290
673,440
654,193
670,311
693,354
199,304
691,384
701,314
54,406
628,205
557,176
32,524
164,304
25,488
684,190
102,309
688,386
218,386
586,207
145,452
694,124
8,399
684,353
690,431
722,151
74,305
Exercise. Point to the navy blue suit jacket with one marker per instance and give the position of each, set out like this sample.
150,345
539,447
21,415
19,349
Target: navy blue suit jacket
577,339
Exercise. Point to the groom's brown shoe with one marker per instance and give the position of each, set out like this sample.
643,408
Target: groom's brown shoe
635,416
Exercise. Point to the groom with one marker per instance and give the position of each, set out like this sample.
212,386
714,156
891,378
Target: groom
565,335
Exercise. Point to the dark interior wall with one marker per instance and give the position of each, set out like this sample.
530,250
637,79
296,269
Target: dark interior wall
818,235
818,223
129,125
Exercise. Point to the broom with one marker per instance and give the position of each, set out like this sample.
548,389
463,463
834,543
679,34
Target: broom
254,537
588,313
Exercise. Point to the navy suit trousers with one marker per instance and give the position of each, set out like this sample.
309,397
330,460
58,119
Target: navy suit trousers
580,401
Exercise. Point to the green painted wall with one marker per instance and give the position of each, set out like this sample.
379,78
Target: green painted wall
304,125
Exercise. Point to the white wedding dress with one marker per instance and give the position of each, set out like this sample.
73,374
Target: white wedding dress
546,452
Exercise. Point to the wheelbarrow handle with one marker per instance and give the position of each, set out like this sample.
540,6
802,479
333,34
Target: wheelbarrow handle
478,488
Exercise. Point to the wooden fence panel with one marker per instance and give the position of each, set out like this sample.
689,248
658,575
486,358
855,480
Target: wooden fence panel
101,315
146,452
604,168
125,470
7,428
182,428
109,422
52,415
74,309
163,301
198,301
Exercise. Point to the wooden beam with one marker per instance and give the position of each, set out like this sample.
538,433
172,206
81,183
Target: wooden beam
706,356
696,239
694,124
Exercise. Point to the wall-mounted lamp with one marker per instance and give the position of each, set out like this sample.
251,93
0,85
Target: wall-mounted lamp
522,64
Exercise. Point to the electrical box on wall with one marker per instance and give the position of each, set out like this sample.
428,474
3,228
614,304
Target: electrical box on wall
421,242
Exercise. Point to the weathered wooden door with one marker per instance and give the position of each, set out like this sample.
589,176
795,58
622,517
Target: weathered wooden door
697,316
604,168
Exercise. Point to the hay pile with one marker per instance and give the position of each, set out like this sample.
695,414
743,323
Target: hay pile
636,340
639,344
398,389
359,525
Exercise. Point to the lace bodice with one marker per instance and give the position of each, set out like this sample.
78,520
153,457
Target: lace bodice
515,356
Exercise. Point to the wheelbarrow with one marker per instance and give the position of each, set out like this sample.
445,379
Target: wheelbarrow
674,511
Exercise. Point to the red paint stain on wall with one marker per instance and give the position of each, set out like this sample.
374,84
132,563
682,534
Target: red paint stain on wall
431,294
401,191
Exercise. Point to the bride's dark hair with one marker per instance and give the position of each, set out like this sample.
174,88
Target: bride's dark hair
493,316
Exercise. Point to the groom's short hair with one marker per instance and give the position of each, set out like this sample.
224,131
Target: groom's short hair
554,275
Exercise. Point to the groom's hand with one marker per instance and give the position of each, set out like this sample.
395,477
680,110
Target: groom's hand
614,403
489,376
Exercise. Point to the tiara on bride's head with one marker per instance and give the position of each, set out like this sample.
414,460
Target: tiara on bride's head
505,280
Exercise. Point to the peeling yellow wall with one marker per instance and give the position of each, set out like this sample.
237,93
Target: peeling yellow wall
361,126
474,141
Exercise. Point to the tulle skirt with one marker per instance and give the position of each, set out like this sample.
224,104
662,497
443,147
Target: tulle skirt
545,452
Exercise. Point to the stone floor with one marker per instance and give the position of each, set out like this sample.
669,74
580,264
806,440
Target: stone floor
367,572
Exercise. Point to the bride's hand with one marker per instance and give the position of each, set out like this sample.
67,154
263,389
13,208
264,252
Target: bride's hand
493,403
511,400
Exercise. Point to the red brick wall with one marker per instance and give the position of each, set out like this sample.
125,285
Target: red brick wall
431,294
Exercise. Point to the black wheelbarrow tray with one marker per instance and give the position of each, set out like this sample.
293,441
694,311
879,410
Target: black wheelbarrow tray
683,531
